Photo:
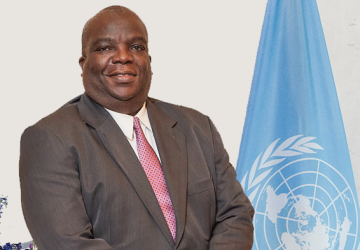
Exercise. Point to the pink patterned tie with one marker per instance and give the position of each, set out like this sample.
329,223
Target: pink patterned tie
154,173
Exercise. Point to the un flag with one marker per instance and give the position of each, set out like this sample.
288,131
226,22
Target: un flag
294,162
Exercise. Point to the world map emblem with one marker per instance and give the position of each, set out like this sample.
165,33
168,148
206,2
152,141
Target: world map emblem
301,202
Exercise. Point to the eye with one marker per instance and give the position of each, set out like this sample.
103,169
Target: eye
104,48
137,47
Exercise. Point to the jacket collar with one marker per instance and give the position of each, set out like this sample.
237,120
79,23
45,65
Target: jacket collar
91,112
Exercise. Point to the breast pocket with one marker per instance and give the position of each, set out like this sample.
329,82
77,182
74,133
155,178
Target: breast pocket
200,186
201,207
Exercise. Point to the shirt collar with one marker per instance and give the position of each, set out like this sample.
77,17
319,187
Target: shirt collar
126,122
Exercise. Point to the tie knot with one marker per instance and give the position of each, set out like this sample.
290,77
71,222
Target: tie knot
137,125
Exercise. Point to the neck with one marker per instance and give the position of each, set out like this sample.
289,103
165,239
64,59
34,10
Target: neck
128,107
132,109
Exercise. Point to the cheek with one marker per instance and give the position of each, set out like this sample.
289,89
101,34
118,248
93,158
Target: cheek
143,62
98,64
145,67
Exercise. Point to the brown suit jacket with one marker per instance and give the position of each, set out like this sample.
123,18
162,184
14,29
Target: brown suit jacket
83,187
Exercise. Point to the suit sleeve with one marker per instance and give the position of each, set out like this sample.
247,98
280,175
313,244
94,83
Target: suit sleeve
233,229
51,194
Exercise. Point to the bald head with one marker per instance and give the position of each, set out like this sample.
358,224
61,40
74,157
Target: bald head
116,10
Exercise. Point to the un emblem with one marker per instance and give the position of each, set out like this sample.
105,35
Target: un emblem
305,204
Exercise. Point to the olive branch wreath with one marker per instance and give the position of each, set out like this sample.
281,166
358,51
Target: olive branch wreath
264,163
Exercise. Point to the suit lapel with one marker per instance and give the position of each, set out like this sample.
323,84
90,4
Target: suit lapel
118,146
171,144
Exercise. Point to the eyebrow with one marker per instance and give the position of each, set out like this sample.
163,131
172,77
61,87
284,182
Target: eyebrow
139,38
107,39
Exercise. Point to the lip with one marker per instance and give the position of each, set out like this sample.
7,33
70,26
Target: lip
122,72
122,76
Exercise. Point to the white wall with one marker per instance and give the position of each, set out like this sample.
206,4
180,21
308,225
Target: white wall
203,57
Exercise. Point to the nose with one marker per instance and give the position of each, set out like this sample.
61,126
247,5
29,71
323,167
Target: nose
122,55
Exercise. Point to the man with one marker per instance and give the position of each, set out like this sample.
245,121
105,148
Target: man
114,169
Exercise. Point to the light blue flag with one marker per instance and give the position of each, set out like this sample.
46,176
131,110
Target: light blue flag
294,162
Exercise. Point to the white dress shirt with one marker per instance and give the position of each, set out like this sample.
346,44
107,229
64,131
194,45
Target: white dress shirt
126,124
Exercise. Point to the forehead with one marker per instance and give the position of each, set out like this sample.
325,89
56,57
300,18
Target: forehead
117,26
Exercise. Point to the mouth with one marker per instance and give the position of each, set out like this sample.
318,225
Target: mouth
122,73
122,76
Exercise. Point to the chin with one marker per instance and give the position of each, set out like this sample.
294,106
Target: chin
134,100
129,95
123,97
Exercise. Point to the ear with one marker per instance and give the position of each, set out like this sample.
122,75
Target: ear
82,61
150,58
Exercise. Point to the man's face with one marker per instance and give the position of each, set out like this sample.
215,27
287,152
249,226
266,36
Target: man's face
116,63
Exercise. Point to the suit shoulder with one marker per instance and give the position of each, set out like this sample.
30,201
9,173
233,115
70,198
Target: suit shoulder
67,115
178,112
